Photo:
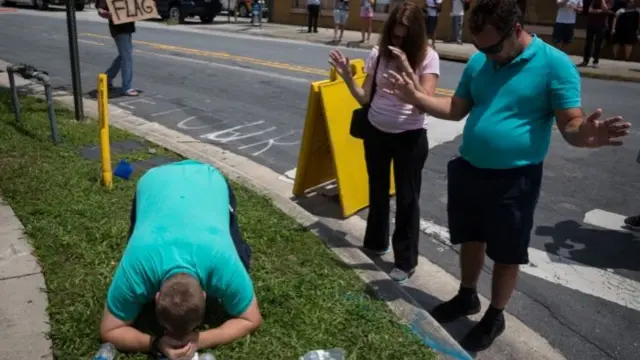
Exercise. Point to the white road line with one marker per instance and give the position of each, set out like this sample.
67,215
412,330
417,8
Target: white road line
288,176
568,273
442,131
605,219
166,112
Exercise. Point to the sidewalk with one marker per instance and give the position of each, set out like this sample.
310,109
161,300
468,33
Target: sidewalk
609,69
24,323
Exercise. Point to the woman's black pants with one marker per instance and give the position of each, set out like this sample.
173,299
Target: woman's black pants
408,150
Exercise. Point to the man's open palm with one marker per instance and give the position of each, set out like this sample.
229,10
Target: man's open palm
604,132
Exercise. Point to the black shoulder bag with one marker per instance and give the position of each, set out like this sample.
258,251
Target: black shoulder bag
360,116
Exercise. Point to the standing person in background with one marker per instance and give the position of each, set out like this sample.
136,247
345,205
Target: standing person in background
366,17
122,34
522,5
313,13
494,185
340,16
457,19
596,26
565,22
433,8
614,6
395,131
624,32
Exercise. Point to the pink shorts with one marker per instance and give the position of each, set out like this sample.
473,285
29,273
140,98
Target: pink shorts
366,13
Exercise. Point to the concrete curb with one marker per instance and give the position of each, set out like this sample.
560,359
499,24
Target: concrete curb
444,55
267,182
24,321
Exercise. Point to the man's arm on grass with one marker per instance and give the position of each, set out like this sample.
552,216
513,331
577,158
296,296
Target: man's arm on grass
122,335
232,329
123,305
236,293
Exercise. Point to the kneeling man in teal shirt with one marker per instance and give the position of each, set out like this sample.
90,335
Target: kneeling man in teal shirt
184,249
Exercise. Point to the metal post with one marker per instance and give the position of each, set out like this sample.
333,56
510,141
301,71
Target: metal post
72,33
52,113
15,101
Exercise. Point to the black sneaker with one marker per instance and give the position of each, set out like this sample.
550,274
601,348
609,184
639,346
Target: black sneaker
633,222
465,303
482,336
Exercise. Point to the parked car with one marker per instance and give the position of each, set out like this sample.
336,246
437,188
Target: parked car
179,10
42,4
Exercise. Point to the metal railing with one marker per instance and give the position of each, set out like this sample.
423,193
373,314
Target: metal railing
29,72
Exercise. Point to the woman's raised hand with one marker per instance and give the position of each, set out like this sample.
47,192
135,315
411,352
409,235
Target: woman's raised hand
340,62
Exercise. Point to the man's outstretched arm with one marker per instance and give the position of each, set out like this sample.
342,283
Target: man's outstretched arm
122,335
232,329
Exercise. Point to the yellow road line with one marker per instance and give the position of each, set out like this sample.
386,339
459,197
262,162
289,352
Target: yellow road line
242,59
91,42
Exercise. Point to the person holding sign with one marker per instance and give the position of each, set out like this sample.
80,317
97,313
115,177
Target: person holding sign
122,35
185,262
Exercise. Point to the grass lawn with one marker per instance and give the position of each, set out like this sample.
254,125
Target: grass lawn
78,230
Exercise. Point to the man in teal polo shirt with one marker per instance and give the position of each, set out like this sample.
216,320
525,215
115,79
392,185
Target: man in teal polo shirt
513,90
184,248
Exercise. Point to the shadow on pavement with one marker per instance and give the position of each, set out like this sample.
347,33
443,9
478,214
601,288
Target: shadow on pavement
322,202
599,248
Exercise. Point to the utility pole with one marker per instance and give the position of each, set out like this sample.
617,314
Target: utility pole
72,33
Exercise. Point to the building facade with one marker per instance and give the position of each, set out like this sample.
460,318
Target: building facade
540,16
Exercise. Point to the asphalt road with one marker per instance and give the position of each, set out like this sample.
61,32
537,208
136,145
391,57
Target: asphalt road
249,95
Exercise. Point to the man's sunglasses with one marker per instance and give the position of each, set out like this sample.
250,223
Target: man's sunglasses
497,47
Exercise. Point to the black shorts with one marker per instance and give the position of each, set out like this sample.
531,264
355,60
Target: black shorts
624,38
563,33
432,25
495,207
244,250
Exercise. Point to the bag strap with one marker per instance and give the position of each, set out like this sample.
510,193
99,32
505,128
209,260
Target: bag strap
375,78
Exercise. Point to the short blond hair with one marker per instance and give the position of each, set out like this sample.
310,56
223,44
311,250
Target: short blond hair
181,304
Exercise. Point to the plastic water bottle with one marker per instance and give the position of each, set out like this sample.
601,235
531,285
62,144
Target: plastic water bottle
207,356
330,354
106,352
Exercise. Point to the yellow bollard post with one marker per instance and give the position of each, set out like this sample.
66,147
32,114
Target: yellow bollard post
103,115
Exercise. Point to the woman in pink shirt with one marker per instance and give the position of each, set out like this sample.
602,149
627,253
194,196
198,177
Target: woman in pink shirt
396,131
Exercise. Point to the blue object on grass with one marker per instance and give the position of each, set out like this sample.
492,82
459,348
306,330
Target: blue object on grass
123,170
